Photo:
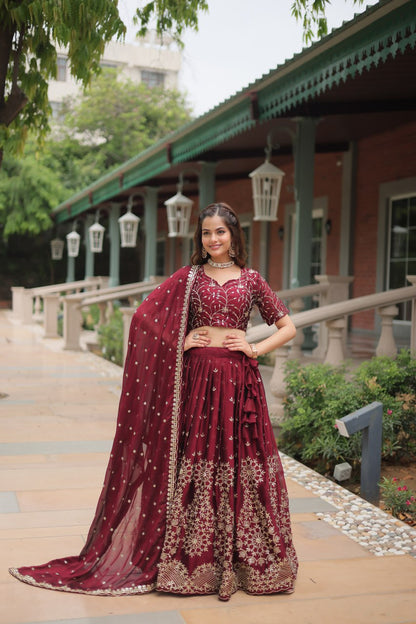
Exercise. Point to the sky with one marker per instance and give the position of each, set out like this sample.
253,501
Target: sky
237,42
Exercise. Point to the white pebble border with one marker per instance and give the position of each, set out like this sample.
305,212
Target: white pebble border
371,527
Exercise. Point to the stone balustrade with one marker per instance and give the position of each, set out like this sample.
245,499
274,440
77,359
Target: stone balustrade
334,316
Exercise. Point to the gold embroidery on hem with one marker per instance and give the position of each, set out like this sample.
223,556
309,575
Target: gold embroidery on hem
126,591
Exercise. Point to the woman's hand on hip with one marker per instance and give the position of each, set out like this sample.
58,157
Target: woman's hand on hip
196,338
237,343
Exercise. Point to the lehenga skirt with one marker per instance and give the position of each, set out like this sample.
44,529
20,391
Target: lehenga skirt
229,526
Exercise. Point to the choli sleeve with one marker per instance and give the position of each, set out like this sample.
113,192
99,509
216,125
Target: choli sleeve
270,306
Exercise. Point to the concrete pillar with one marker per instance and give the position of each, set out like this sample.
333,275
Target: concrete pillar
89,256
207,184
150,225
338,290
278,387
50,315
335,353
17,301
387,344
72,322
114,233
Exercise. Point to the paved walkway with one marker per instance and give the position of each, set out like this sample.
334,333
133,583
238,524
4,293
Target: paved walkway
357,565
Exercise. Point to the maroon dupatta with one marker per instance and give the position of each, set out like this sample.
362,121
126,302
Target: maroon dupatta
126,536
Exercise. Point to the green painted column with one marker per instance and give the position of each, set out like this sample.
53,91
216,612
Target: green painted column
304,150
150,226
89,256
207,184
114,233
70,269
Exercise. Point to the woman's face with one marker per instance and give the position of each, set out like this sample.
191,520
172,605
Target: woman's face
216,238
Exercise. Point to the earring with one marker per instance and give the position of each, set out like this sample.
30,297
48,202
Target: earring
204,253
231,252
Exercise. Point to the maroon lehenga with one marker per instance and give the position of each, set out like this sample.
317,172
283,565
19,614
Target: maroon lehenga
194,499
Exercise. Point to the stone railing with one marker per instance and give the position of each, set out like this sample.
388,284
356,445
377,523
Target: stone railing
73,304
335,317
27,302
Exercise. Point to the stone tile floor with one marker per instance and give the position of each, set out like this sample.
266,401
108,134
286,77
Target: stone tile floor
357,564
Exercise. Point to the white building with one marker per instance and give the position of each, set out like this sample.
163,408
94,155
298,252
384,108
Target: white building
148,61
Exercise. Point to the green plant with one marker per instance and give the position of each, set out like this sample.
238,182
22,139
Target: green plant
91,317
318,394
110,338
398,499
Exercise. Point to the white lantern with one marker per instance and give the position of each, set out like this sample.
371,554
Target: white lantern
179,210
73,240
266,184
129,225
96,234
57,248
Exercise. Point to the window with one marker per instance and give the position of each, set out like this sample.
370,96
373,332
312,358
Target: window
153,78
401,259
61,63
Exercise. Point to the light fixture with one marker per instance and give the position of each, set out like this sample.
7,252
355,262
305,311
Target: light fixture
179,210
96,235
73,240
129,225
57,248
266,183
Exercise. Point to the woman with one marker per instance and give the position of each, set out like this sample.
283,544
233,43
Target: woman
194,499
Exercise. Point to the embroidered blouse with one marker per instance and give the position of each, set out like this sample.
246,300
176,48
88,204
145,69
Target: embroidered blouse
230,304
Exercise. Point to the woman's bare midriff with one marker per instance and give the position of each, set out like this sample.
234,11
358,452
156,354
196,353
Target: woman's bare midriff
217,335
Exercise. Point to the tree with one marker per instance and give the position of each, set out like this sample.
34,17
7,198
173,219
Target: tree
31,30
118,118
110,123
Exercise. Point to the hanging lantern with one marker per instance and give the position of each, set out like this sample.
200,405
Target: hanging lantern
266,183
57,248
96,234
129,225
179,210
73,240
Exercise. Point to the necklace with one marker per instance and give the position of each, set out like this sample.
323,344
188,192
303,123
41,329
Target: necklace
220,265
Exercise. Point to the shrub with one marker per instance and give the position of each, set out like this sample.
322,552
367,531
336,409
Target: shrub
91,317
110,338
398,499
318,394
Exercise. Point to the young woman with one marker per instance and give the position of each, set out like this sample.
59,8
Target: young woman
194,499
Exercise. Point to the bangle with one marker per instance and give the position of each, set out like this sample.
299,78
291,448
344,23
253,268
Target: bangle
254,350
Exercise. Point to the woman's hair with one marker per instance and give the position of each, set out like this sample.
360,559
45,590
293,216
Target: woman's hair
232,222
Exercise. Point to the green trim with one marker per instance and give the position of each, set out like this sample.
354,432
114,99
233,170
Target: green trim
374,44
215,131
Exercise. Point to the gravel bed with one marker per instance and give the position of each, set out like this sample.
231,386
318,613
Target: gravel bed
371,527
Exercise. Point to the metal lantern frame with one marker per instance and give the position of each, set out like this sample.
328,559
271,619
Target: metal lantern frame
57,248
266,185
179,210
73,240
129,225
96,235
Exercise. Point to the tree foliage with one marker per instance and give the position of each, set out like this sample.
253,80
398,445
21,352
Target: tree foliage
112,122
30,31
312,14
118,118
